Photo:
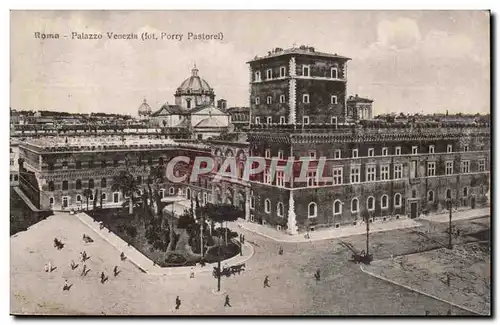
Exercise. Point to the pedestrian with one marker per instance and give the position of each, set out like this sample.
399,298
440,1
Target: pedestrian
280,250
317,275
266,282
447,279
50,266
449,312
115,271
84,271
192,273
427,313
66,286
227,303
103,277
73,265
177,302
46,267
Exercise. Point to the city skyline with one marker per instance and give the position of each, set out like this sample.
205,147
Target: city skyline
409,62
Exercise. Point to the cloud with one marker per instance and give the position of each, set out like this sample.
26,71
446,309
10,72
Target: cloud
402,33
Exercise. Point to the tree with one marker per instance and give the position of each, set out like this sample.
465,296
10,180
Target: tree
87,193
127,184
220,213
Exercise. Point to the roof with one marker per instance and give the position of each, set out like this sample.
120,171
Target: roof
358,99
212,108
302,50
209,122
167,109
194,83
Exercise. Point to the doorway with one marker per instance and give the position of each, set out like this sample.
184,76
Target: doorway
413,210
473,202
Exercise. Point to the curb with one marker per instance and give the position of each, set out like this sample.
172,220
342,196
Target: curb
421,292
299,241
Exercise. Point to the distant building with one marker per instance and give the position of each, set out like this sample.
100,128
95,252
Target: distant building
359,108
239,116
144,110
14,165
222,104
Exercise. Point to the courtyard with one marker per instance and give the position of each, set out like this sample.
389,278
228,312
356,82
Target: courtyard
344,289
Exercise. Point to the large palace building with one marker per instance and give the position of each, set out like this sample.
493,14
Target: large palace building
299,112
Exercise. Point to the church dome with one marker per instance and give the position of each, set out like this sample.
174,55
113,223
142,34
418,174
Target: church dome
144,109
194,84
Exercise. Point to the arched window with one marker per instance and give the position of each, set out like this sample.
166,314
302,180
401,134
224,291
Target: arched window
171,191
384,202
414,194
448,194
312,210
51,201
103,182
78,184
280,209
65,185
354,205
104,196
267,206
430,196
370,203
162,192
78,198
91,183
337,207
466,191
397,200
51,187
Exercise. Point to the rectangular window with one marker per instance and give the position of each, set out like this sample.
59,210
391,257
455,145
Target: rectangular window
334,73
371,152
338,154
449,167
305,98
466,147
257,120
337,175
414,150
269,100
312,154
397,151
252,202
312,179
280,178
333,120
385,151
431,149
257,100
354,153
269,120
305,71
282,120
282,72
268,153
305,120
355,174
481,164
333,100
280,154
269,74
466,166
370,173
449,148
384,172
282,99
398,171
267,176
257,76
431,168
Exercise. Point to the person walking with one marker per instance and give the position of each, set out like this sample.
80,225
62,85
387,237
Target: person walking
266,282
115,271
177,302
84,270
66,286
192,273
280,250
46,267
227,303
317,275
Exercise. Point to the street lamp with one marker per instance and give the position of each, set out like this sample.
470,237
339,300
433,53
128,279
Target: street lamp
449,202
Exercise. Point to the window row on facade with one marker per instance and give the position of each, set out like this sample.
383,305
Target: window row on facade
103,163
282,120
282,99
384,152
271,74
371,175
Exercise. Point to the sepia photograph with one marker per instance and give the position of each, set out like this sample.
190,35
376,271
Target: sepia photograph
250,162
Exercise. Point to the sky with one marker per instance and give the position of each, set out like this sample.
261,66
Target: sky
406,61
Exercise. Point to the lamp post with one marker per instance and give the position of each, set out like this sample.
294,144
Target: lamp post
449,201
367,233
